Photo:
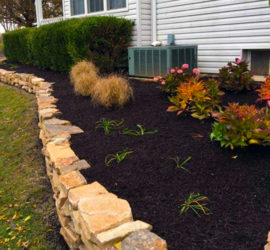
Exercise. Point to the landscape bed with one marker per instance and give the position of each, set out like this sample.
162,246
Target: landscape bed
236,182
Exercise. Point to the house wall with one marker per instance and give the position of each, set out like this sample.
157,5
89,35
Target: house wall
221,28
141,31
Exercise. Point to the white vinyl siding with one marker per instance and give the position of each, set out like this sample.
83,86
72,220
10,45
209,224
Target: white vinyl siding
220,28
146,22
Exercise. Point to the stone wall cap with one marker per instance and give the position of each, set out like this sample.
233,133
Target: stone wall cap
120,232
86,191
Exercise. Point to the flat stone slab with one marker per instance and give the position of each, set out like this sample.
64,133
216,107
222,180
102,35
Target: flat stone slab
86,191
52,130
56,121
104,212
117,234
143,240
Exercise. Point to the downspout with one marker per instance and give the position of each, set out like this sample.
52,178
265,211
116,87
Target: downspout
139,24
154,20
39,13
63,10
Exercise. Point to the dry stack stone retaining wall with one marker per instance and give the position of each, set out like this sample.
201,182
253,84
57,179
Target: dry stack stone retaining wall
90,216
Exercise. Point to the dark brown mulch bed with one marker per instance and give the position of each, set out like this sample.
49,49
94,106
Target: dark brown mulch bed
238,189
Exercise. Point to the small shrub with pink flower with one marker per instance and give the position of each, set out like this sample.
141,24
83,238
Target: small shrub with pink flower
196,97
176,77
236,76
242,125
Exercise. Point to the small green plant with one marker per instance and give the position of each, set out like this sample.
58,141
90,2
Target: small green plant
181,164
140,131
108,125
236,76
197,203
118,157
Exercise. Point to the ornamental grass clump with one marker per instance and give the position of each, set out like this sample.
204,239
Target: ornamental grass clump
236,76
196,97
242,125
111,91
84,76
175,78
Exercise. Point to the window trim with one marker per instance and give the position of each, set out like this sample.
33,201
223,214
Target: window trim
104,12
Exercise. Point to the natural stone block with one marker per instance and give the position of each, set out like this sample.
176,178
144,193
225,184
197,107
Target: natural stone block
71,180
60,139
48,113
86,191
61,155
143,240
64,220
77,165
103,212
65,210
71,238
267,247
61,199
55,182
75,217
88,245
120,232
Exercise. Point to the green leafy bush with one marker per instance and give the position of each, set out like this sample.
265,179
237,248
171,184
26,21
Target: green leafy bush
196,97
18,45
58,46
236,76
242,125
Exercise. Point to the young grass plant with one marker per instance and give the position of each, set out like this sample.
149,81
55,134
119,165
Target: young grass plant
139,132
109,125
197,203
117,157
181,164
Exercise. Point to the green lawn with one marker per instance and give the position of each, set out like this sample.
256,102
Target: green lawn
27,215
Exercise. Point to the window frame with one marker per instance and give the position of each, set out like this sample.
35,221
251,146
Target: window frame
96,13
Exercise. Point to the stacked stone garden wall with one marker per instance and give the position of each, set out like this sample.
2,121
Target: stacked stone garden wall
90,216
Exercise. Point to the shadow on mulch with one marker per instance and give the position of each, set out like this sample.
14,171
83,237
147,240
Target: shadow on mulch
236,182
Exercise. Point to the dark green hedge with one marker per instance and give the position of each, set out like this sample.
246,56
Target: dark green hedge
17,45
104,40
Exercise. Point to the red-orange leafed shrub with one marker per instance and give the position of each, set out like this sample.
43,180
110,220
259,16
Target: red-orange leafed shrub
196,97
241,125
264,91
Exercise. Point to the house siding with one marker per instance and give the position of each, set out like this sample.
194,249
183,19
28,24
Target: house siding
132,14
146,23
220,28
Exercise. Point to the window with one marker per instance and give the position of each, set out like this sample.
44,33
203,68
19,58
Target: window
95,5
77,7
116,4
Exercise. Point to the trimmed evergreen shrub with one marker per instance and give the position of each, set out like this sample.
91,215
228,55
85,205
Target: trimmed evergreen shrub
17,45
58,46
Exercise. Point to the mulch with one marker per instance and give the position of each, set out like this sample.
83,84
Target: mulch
237,182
